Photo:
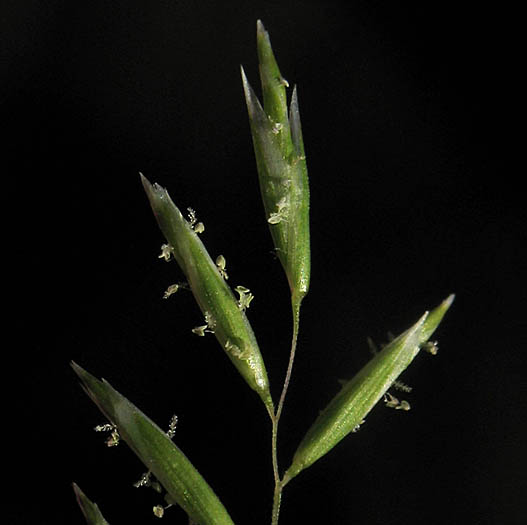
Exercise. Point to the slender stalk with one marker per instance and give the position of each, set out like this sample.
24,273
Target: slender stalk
296,324
277,497
278,483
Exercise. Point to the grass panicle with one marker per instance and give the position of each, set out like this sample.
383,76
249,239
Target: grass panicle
282,173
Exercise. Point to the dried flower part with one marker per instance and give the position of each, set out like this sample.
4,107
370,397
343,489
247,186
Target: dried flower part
245,297
216,300
171,290
114,438
171,432
359,395
392,402
89,509
183,483
147,481
281,165
221,263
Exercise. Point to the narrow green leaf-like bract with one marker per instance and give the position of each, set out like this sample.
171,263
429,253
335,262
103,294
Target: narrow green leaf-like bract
183,483
282,170
90,510
214,297
358,396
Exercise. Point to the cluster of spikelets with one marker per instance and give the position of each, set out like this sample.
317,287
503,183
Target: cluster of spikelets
281,165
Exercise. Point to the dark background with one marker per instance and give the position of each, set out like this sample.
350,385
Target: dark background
408,115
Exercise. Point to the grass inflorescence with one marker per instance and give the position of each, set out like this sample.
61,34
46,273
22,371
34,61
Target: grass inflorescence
282,172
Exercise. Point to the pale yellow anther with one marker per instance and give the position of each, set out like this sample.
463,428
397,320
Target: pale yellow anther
166,252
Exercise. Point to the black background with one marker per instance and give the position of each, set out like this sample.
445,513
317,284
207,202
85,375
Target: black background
407,114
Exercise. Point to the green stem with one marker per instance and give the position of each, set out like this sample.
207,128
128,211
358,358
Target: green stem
277,497
279,484
296,324
274,454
